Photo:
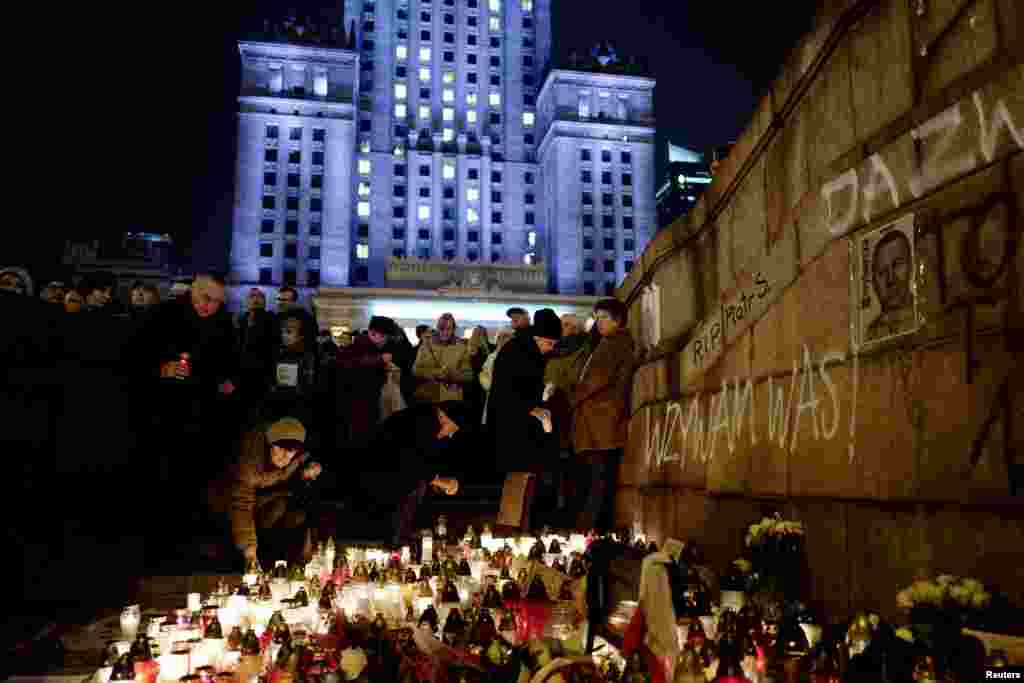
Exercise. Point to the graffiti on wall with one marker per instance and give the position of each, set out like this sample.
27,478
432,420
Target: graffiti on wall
711,336
875,189
885,291
775,410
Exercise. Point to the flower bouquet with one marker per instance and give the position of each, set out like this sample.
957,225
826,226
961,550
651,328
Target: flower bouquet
939,608
777,547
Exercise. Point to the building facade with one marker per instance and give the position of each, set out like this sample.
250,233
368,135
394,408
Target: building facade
686,177
437,132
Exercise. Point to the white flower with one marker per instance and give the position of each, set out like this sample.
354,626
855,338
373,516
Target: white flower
905,633
353,662
980,600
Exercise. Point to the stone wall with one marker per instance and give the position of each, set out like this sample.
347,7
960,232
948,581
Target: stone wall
766,384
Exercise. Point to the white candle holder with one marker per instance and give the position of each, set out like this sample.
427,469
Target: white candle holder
195,602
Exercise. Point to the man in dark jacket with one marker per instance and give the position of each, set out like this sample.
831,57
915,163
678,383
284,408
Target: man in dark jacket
258,338
515,410
401,462
187,350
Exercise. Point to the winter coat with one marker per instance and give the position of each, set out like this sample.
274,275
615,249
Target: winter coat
245,482
558,404
258,337
444,370
597,380
176,328
517,388
360,373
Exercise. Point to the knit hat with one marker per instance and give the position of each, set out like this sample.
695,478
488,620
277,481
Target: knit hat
382,325
515,310
286,429
546,324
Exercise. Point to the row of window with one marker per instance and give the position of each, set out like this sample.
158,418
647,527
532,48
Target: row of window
425,253
316,180
607,221
291,277
472,194
587,177
291,250
448,172
448,235
607,199
294,156
423,213
294,133
625,158
472,78
608,243
369,6
425,75
316,204
291,227
588,265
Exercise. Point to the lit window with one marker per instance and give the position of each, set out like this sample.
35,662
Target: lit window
364,147
363,209
364,167
423,212
471,99
400,91
448,114
424,54
472,194
531,238
424,74
364,189
527,5
448,77
424,112
472,216
401,111
528,259
494,99
495,5
528,118
402,53
320,84
399,152
471,116
362,251
584,108
494,24
447,135
448,170
448,95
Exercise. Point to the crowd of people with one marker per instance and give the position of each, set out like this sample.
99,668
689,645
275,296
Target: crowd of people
263,414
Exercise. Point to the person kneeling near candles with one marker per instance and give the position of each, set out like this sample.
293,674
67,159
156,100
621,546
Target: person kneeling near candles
254,492
401,461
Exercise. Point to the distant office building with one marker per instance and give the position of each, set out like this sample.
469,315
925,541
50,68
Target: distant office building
687,176
439,131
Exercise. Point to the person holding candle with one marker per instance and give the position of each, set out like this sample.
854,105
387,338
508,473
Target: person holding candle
401,462
252,493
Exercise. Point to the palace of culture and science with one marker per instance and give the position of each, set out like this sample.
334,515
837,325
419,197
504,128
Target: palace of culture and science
436,137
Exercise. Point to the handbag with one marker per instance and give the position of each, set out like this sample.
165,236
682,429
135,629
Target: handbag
391,400
516,498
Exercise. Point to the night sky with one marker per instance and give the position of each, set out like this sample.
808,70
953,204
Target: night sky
160,133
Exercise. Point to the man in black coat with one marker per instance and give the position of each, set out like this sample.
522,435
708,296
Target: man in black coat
259,336
515,412
186,351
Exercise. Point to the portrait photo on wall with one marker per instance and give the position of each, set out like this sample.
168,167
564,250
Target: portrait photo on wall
886,297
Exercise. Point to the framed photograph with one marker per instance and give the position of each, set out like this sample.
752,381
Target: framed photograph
885,297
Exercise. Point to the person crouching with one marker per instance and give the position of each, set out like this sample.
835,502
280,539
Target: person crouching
253,493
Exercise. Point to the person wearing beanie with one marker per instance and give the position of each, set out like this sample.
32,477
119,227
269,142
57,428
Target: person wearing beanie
520,319
402,462
596,380
252,494
520,424
16,280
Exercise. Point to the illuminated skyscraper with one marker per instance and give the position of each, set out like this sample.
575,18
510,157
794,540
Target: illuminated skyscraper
438,131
